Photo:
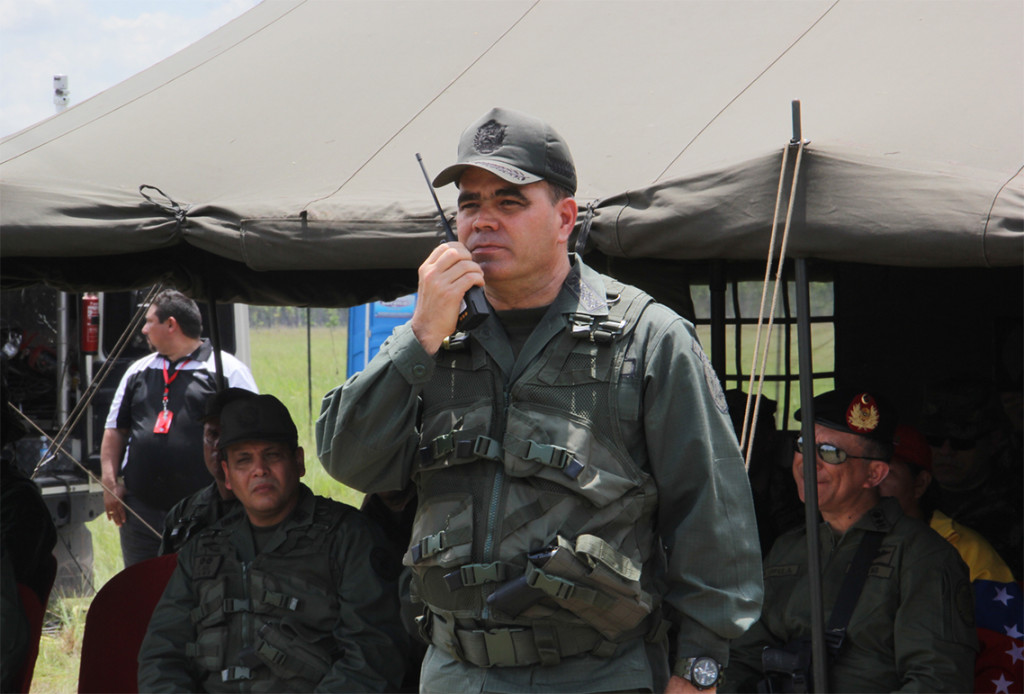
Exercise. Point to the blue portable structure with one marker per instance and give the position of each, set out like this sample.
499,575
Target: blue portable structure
370,324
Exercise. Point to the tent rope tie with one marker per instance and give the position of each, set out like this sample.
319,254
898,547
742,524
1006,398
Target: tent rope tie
748,420
174,209
588,221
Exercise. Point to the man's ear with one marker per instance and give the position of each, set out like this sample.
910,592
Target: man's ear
877,471
227,479
300,460
567,211
172,324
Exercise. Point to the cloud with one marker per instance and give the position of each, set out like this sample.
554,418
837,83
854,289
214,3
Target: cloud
97,43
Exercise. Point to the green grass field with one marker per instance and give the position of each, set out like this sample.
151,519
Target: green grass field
279,364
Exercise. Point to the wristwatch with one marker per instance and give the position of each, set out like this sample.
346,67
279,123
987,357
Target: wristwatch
703,672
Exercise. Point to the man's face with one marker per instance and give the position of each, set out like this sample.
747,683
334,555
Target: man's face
157,333
264,475
954,462
516,233
211,439
843,486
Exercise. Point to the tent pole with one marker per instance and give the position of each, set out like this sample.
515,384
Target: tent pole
819,654
309,362
818,651
214,327
718,319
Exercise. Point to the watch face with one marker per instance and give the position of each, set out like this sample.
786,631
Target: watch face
705,672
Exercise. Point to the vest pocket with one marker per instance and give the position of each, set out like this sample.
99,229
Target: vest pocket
443,533
546,444
208,651
290,651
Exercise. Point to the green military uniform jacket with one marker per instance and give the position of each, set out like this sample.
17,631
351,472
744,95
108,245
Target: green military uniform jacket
316,609
912,629
192,514
680,470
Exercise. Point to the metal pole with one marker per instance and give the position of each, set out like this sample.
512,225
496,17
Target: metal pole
718,319
309,362
819,654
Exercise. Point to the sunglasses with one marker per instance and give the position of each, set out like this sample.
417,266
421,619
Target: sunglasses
957,444
830,453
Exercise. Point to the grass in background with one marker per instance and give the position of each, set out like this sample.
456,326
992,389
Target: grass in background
279,365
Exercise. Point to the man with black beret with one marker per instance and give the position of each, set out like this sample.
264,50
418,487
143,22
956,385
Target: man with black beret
912,623
290,592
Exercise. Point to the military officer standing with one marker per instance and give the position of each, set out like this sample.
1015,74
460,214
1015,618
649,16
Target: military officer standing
292,592
577,473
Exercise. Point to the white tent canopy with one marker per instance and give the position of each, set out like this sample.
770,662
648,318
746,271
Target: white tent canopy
282,145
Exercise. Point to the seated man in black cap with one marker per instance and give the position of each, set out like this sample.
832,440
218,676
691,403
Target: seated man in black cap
909,625
204,508
292,592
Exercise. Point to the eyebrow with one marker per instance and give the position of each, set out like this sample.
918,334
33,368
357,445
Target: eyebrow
510,191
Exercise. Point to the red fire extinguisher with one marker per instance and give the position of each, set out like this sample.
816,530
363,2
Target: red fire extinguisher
90,324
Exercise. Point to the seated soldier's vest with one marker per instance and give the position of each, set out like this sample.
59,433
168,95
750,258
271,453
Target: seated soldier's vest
536,512
266,625
199,511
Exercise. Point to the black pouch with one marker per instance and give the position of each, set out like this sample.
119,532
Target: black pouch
787,669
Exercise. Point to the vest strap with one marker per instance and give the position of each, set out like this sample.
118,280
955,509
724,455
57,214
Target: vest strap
518,646
474,575
448,444
233,605
194,650
546,454
233,674
280,600
586,327
438,542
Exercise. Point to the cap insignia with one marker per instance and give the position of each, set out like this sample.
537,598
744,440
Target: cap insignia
489,137
862,414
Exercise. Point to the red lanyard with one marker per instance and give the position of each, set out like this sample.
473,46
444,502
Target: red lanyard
169,380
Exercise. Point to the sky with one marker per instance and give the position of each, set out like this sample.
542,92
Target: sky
96,43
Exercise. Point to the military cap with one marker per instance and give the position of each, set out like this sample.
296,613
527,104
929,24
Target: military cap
219,400
259,418
859,412
515,147
910,446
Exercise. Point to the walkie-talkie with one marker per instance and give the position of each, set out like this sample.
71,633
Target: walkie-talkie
474,309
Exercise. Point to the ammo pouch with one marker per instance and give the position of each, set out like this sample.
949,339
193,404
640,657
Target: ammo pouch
593,581
290,653
786,669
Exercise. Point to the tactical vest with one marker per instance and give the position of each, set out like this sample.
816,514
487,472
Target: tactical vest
266,625
198,512
536,509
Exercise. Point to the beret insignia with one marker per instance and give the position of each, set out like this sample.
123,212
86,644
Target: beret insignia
862,414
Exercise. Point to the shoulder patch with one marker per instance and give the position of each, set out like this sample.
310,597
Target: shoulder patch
207,565
965,603
711,378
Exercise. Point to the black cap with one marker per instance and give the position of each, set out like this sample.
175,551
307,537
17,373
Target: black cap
859,412
259,418
515,147
219,400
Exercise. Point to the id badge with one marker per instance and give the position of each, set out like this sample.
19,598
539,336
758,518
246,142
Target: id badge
163,422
